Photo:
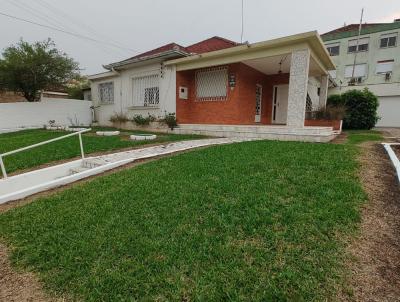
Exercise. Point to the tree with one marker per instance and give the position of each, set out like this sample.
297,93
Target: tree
30,68
361,108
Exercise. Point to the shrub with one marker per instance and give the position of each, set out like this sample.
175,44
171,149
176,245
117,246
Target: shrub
330,112
335,100
139,120
118,118
361,108
170,120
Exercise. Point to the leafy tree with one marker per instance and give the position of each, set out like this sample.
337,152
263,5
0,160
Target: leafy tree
30,68
361,108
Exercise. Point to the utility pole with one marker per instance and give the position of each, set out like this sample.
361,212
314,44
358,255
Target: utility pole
358,41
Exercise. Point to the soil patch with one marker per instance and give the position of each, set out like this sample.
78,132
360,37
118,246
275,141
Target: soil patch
376,251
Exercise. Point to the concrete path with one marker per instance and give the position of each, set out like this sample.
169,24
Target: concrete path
26,184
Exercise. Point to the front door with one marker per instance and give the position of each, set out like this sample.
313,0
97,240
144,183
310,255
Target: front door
258,103
280,104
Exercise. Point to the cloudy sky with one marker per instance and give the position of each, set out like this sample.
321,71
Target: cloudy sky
123,28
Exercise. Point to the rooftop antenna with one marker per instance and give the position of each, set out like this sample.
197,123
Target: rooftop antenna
241,34
358,41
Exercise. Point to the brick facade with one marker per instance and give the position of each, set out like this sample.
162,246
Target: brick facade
238,108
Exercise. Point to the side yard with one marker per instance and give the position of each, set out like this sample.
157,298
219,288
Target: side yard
260,220
68,148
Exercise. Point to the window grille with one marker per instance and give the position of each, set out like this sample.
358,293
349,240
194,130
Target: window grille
146,91
309,105
106,92
212,84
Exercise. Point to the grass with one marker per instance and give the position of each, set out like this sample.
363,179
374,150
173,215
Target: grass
254,221
67,148
355,137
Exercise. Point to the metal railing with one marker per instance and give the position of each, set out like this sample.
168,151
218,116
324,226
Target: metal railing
79,133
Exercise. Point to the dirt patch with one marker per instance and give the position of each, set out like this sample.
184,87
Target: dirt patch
376,265
396,149
19,286
340,139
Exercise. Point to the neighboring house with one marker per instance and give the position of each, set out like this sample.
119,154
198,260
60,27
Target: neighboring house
377,64
219,82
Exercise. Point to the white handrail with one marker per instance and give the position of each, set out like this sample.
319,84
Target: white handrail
3,169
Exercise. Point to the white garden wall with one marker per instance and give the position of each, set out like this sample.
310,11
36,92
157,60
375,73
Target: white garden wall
36,114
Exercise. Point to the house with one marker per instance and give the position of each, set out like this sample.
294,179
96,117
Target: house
376,62
219,87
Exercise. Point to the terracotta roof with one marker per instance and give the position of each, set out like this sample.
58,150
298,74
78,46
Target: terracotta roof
352,30
211,44
161,49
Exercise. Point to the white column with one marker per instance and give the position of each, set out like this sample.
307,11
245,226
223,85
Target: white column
323,92
298,82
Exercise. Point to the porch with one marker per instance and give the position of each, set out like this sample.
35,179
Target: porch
249,87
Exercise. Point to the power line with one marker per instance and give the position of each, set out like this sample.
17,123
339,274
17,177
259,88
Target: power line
241,34
66,32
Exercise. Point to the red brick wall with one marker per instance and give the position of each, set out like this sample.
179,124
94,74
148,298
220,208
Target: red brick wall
335,124
238,108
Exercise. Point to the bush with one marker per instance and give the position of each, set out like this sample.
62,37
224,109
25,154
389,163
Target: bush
118,118
330,112
335,100
170,120
361,108
138,119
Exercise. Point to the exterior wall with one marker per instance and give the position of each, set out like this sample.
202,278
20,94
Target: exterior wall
238,108
36,114
335,124
123,93
388,92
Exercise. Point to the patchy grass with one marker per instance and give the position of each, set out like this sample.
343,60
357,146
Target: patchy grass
255,221
69,147
356,137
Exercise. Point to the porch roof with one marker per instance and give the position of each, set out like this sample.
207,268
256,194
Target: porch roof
258,50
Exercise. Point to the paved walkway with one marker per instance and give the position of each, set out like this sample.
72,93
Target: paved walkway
391,132
154,151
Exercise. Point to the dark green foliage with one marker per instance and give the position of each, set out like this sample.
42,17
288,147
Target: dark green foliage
170,120
361,108
30,68
139,120
254,221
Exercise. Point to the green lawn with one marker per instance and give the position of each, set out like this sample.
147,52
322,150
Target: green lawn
254,221
67,148
355,137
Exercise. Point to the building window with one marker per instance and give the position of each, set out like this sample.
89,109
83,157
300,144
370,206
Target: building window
363,44
309,104
106,92
333,49
384,66
388,40
360,70
146,91
212,84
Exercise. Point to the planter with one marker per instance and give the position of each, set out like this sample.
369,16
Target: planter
107,133
335,124
143,137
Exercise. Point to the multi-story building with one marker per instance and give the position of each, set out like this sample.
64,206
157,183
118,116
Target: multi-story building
372,62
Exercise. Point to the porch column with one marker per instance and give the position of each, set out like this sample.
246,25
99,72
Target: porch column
298,83
323,92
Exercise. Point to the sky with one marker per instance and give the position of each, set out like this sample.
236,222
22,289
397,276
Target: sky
124,28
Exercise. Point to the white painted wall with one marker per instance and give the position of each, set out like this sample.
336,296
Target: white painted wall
123,93
37,114
389,111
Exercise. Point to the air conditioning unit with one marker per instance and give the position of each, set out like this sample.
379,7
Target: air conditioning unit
388,76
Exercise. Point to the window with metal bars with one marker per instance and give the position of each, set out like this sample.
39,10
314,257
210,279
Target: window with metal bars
309,104
146,91
106,93
212,84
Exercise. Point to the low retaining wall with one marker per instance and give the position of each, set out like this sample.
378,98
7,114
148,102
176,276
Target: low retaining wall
36,114
335,124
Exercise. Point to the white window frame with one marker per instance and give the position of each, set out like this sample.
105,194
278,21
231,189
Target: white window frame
383,67
333,45
102,98
211,84
146,90
357,71
362,41
388,36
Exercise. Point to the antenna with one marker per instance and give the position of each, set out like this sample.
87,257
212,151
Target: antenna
241,35
358,41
